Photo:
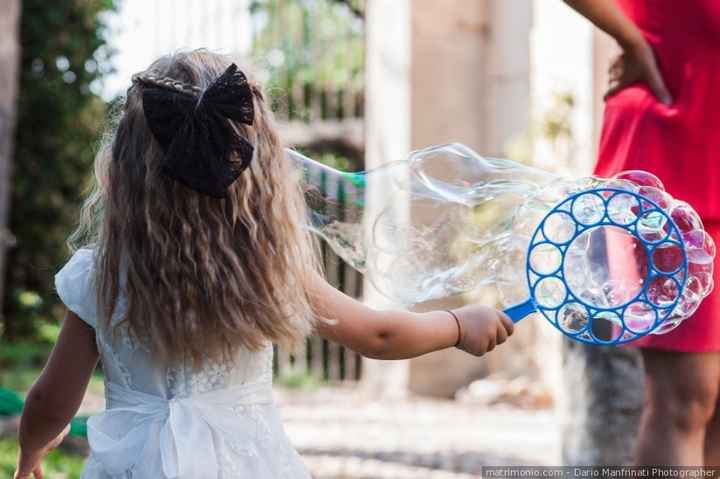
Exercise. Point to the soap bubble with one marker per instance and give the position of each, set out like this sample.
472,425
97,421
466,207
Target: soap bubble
685,217
639,317
559,227
663,291
652,226
545,258
700,246
573,318
550,292
668,257
656,195
447,221
640,178
589,208
623,208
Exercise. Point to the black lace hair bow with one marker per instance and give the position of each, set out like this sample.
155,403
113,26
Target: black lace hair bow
201,146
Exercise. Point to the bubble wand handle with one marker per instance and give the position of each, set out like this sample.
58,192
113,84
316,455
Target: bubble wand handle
521,311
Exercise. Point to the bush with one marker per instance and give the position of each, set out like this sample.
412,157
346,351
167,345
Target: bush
64,56
58,462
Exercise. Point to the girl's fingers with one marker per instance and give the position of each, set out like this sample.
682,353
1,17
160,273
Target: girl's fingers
507,323
491,345
501,335
36,473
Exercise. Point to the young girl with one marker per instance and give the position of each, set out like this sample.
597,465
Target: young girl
193,262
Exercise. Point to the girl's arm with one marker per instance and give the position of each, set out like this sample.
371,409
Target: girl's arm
401,334
56,396
637,62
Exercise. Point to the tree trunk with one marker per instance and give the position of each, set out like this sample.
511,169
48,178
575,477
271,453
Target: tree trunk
600,404
9,62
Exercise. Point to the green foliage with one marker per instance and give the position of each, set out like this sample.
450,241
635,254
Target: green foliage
309,46
299,381
333,160
64,56
59,463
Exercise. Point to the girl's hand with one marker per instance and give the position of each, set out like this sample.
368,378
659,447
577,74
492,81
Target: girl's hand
30,462
635,64
482,328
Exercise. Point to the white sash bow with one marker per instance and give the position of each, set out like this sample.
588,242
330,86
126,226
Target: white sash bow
143,431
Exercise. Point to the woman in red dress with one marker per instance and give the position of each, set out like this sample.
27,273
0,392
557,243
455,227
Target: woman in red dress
662,115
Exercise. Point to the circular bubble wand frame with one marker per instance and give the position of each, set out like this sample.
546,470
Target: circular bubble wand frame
551,312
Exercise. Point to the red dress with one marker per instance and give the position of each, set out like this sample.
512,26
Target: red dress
679,143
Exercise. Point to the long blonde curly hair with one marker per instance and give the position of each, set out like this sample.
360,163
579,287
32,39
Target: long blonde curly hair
202,276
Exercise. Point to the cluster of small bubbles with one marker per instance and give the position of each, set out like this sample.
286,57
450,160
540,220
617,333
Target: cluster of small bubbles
667,256
607,268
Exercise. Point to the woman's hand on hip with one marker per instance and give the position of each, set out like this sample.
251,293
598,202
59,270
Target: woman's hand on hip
637,64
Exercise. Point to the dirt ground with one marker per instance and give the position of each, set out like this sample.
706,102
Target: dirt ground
343,435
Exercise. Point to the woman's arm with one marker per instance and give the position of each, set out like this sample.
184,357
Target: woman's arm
607,16
401,334
637,62
56,396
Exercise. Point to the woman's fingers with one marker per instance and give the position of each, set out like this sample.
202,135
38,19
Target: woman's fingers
655,80
638,65
613,89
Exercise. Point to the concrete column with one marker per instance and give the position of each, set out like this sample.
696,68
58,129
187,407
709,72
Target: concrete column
449,72
470,84
387,120
507,112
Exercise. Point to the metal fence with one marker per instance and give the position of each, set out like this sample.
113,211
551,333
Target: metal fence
310,55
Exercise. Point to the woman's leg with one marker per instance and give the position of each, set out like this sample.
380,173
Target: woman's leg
712,440
681,391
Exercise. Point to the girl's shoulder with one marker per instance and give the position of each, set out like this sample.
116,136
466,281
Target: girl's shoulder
75,284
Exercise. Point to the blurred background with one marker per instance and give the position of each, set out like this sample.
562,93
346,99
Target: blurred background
354,84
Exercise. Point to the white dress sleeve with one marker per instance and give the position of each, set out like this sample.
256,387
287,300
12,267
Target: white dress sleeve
75,284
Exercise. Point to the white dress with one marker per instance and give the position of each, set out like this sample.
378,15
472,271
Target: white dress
168,421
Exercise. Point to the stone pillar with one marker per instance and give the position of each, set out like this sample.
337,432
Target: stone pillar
387,120
507,112
449,72
600,404
470,84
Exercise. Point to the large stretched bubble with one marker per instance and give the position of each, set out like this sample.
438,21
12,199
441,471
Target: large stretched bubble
447,221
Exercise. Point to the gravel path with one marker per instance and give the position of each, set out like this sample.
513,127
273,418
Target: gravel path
343,435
